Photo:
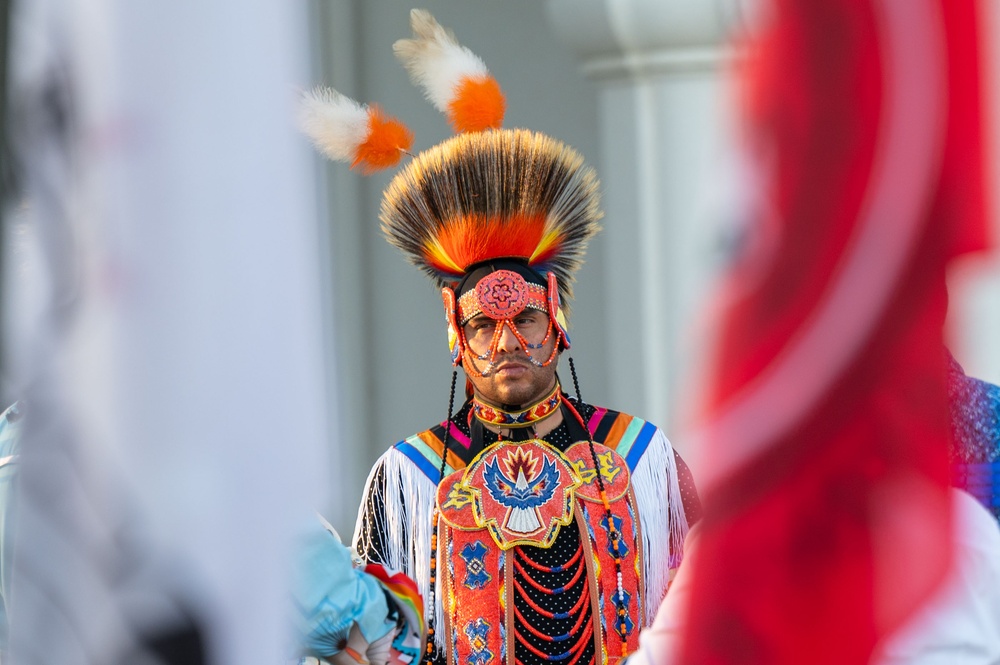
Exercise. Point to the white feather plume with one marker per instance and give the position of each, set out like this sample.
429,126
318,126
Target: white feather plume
336,123
435,60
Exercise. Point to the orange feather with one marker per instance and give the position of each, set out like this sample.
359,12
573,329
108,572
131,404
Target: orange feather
388,139
475,238
478,104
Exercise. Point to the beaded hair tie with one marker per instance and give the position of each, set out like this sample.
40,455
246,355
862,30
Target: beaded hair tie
612,529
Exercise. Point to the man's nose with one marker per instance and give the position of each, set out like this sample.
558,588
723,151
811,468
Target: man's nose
508,340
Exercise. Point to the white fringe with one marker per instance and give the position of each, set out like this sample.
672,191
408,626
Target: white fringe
335,123
435,60
407,526
658,496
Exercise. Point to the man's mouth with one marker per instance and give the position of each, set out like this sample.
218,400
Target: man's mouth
511,368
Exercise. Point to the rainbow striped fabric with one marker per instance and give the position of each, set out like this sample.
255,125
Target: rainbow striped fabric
627,435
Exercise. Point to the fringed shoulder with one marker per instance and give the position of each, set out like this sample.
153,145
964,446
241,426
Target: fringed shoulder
395,520
661,510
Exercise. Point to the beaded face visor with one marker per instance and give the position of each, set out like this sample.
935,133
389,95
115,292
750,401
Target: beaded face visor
503,296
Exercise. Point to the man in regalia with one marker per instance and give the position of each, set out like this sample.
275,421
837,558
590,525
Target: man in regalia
538,527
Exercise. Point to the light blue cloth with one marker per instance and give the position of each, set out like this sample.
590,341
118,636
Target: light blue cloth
331,595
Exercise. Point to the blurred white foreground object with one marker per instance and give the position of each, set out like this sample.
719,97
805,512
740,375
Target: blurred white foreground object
171,365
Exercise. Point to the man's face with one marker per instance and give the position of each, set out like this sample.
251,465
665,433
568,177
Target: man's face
513,380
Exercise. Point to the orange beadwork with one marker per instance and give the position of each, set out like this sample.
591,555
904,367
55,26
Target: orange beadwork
539,587
431,632
501,295
550,615
491,354
580,645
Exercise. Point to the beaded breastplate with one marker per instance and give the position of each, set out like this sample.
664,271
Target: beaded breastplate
521,601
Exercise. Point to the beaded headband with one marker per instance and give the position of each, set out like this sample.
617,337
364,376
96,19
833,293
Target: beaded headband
501,294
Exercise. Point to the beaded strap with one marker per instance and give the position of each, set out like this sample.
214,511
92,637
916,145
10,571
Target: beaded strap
612,530
550,638
553,615
435,518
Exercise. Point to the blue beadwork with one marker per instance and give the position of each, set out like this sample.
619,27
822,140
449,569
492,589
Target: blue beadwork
622,619
474,555
622,547
478,631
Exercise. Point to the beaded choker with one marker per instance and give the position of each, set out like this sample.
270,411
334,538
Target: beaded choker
491,415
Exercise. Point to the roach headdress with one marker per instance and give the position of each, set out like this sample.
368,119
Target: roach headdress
514,201
508,193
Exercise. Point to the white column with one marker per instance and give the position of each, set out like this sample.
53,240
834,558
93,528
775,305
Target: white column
660,68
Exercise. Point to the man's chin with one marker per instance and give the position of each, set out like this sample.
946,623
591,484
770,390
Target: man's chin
516,398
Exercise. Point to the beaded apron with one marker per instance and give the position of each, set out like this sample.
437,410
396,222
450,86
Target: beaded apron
510,501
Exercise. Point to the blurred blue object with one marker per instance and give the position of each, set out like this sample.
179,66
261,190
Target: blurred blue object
332,597
975,425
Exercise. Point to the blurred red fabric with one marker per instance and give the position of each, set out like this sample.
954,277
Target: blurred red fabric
825,420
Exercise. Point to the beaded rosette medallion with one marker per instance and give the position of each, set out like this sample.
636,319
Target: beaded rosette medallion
513,499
